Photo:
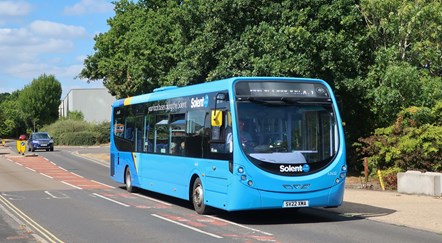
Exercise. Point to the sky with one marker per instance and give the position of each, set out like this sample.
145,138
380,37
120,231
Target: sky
51,37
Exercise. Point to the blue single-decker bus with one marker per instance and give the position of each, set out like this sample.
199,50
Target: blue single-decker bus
235,144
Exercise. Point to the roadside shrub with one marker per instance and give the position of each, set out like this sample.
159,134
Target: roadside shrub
75,115
60,128
414,142
78,132
389,177
78,138
102,131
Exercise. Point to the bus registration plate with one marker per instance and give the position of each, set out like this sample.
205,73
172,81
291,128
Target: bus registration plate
295,204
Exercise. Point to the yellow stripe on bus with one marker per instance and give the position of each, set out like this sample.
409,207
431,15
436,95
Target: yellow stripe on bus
127,101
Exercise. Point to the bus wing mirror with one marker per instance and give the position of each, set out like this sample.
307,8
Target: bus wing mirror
216,118
221,96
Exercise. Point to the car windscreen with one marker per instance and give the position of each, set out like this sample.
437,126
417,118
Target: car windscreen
41,136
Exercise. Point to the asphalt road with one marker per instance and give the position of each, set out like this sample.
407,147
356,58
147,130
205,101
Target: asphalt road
67,198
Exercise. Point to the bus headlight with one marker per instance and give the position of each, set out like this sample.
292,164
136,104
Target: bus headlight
240,170
243,177
250,182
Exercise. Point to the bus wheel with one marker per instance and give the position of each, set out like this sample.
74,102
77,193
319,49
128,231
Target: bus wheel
198,197
129,186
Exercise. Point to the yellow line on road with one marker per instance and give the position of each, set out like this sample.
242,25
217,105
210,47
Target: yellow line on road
29,222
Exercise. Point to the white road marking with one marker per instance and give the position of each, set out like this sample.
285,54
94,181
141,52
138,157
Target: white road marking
64,182
56,197
239,225
76,175
62,168
48,176
112,187
111,200
30,169
187,226
153,199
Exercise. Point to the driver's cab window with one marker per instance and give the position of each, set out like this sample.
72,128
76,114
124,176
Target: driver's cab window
221,137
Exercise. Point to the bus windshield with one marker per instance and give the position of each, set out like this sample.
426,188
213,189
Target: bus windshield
284,132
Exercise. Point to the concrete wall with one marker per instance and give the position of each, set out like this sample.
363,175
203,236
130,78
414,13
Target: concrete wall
416,182
95,104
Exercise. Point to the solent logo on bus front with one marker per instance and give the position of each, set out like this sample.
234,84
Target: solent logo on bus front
291,168
199,102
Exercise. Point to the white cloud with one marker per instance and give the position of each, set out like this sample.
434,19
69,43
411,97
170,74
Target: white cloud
32,70
32,44
13,36
21,41
52,29
23,51
81,58
89,6
14,8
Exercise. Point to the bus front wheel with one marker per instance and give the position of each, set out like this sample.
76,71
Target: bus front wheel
128,179
198,197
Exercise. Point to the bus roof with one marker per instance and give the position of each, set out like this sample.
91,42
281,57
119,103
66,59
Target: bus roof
168,92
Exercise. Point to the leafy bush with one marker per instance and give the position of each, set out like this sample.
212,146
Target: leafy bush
414,141
78,138
102,132
75,115
78,132
389,177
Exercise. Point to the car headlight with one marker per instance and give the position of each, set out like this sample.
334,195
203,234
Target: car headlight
34,141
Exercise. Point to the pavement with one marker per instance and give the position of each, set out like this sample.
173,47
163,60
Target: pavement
414,211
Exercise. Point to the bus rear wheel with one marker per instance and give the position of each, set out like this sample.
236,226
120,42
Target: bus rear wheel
198,197
128,180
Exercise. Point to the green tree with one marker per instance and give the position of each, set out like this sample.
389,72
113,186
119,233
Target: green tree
135,54
406,39
38,102
157,43
380,56
4,96
11,122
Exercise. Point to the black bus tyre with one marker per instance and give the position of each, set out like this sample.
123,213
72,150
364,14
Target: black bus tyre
128,180
198,197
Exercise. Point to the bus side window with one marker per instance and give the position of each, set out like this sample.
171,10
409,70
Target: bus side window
123,129
194,133
177,130
206,136
147,140
161,134
138,133
151,134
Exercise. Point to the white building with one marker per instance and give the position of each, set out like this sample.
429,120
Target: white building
95,104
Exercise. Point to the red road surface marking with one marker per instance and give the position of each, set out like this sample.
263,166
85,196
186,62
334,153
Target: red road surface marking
42,165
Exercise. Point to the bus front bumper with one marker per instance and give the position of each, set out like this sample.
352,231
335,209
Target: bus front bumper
256,199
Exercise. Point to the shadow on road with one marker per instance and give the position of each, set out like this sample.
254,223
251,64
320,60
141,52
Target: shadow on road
347,212
349,209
